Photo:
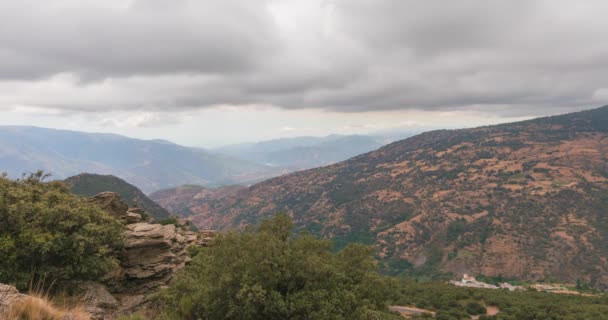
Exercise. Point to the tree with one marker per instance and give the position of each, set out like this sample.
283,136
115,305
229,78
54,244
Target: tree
47,232
272,274
475,308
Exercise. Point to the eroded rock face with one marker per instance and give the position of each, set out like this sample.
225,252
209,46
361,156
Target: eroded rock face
96,300
111,203
152,254
8,296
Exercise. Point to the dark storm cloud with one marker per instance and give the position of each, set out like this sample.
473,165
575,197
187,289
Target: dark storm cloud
508,57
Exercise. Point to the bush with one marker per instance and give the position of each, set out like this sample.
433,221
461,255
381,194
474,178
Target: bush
48,233
270,274
475,308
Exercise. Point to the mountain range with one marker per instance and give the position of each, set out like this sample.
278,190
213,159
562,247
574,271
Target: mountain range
149,164
303,152
523,200
153,165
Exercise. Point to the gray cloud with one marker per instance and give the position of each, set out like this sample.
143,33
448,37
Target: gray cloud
513,57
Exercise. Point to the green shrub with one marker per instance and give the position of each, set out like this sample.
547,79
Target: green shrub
48,233
270,274
475,308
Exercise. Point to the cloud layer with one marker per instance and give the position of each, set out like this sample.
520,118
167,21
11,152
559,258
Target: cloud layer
508,57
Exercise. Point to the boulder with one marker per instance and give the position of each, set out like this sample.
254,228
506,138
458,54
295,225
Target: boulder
95,299
8,296
133,217
205,237
111,203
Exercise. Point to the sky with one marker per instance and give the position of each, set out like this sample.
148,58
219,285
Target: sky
207,73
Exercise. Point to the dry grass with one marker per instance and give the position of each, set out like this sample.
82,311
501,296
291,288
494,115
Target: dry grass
40,307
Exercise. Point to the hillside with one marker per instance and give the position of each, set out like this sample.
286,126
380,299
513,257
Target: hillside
88,185
303,152
183,200
522,200
149,164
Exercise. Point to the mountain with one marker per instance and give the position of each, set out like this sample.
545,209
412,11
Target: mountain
523,200
149,164
186,200
88,185
303,152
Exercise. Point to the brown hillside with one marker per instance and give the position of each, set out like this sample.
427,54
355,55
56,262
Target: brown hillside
524,200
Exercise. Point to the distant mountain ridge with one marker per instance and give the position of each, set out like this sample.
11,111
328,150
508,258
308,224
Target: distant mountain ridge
523,200
303,152
88,185
149,164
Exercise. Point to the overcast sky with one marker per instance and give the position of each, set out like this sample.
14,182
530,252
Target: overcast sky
222,71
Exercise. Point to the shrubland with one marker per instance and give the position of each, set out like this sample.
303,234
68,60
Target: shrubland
271,273
49,234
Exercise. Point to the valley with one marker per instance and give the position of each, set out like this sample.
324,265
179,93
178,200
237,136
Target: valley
523,200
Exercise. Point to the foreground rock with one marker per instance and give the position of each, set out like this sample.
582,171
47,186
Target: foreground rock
152,255
8,295
95,299
17,306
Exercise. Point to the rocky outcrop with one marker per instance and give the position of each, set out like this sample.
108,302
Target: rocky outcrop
8,296
111,203
152,254
95,299
205,237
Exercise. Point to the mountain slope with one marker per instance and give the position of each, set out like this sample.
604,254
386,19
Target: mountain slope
525,200
303,152
88,185
184,199
150,165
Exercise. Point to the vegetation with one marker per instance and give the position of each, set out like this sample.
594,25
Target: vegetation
41,308
274,274
88,185
455,303
48,233
38,305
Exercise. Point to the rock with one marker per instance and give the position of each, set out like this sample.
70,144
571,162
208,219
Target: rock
152,254
111,203
133,217
36,307
96,300
8,296
205,237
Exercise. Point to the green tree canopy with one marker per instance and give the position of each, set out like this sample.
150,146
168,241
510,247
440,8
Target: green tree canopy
272,274
47,232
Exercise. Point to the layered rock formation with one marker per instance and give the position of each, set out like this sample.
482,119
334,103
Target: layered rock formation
152,254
